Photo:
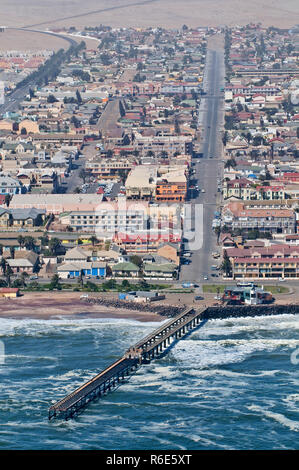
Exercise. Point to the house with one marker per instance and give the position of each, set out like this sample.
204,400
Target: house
125,269
169,251
77,255
88,268
21,217
154,270
24,261
9,185
9,292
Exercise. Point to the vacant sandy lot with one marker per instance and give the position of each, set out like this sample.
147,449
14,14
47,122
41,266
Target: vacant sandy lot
167,13
27,41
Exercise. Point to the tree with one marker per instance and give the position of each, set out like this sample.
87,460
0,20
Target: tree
177,126
29,243
93,239
3,266
231,163
136,260
23,276
44,240
54,246
225,138
78,96
82,274
125,285
226,265
54,284
217,231
83,175
144,285
21,241
51,99
8,274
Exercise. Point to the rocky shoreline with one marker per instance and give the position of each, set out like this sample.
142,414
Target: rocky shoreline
210,312
249,311
163,310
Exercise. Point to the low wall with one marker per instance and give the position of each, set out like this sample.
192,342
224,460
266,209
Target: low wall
248,311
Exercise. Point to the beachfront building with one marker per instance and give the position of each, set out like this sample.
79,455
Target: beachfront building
86,269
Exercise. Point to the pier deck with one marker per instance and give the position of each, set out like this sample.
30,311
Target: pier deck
146,349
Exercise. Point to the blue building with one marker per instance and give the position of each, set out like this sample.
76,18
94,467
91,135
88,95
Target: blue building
89,268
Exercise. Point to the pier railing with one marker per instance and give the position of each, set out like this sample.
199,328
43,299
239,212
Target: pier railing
145,349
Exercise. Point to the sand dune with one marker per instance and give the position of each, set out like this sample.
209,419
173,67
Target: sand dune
167,13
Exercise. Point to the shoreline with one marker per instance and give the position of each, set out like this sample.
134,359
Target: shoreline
49,306
42,306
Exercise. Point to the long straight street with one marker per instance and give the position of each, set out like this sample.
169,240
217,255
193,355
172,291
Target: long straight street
208,168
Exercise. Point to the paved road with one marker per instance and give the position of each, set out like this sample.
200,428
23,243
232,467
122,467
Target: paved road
208,168
110,115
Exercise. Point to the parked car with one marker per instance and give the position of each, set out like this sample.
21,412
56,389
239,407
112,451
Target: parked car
187,284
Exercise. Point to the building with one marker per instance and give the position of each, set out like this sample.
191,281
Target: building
263,220
9,185
141,183
24,261
171,187
9,292
56,203
172,144
248,294
21,218
86,268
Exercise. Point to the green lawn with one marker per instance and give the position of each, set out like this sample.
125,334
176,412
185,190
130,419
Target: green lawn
213,288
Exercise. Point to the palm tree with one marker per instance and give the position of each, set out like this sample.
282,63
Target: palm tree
54,284
8,274
21,240
93,239
226,265
24,275
29,243
54,245
3,266
82,274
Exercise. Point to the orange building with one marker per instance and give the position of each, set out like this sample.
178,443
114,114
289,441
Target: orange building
167,191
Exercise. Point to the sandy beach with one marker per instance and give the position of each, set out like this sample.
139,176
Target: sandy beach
45,305
48,305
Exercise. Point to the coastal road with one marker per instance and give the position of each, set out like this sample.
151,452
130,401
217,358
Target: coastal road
210,166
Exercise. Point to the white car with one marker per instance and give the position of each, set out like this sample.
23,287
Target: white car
203,191
281,279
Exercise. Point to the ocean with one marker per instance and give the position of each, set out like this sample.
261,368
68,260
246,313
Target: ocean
231,384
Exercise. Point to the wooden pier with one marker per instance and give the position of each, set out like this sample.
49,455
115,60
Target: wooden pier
145,350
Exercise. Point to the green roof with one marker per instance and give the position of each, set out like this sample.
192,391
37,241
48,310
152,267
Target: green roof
164,268
125,267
